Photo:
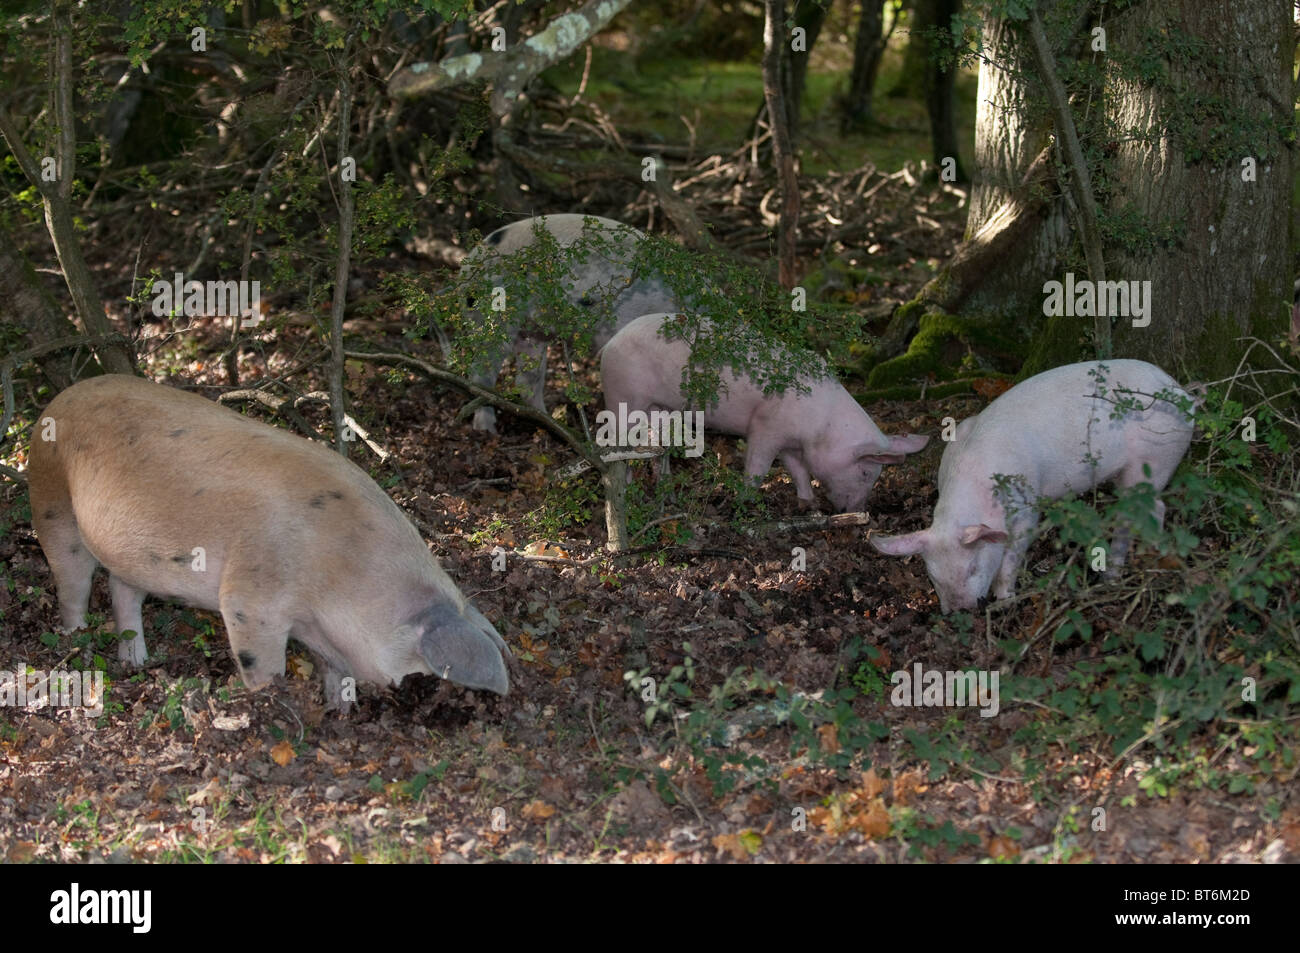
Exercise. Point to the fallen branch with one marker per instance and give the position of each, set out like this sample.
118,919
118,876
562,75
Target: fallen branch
278,405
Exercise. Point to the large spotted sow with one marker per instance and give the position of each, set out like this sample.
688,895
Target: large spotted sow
178,497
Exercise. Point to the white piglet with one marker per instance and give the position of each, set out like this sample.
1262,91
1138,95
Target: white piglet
1055,435
824,433
179,497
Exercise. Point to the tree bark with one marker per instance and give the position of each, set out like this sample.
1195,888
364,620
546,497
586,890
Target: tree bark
868,50
939,80
809,15
57,195
1230,273
1009,136
338,407
782,154
1171,135
31,306
1079,179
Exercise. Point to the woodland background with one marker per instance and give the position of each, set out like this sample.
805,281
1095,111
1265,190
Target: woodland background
919,169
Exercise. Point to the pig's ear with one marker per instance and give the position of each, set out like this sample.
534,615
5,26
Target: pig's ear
907,545
982,533
487,628
894,452
464,649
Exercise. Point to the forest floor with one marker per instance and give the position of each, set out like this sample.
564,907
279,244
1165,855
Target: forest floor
185,764
770,735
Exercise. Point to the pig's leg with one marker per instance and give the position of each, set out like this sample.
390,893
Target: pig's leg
258,637
488,370
70,561
531,380
334,700
759,454
1131,476
798,470
127,602
1004,583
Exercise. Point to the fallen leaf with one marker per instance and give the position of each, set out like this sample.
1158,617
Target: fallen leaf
538,810
1003,847
872,785
737,846
282,753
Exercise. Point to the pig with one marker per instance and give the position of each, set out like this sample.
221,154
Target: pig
1055,432
181,498
597,280
824,433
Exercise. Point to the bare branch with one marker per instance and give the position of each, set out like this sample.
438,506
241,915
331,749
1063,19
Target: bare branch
509,71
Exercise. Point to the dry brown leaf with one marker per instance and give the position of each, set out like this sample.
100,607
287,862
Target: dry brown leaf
907,784
283,753
538,810
872,784
1000,846
829,736
874,821
736,846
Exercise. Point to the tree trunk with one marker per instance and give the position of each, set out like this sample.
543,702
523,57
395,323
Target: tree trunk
809,15
920,14
338,395
57,195
1008,138
1178,203
782,153
868,50
29,304
1229,274
939,80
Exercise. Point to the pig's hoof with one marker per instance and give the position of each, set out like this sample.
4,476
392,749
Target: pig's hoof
334,697
132,652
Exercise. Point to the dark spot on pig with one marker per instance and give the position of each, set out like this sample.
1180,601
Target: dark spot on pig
336,494
51,513
318,501
495,237
368,527
240,617
177,432
247,659
74,549
199,491
155,558
132,437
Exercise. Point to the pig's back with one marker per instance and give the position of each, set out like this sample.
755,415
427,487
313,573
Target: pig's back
1048,427
167,468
